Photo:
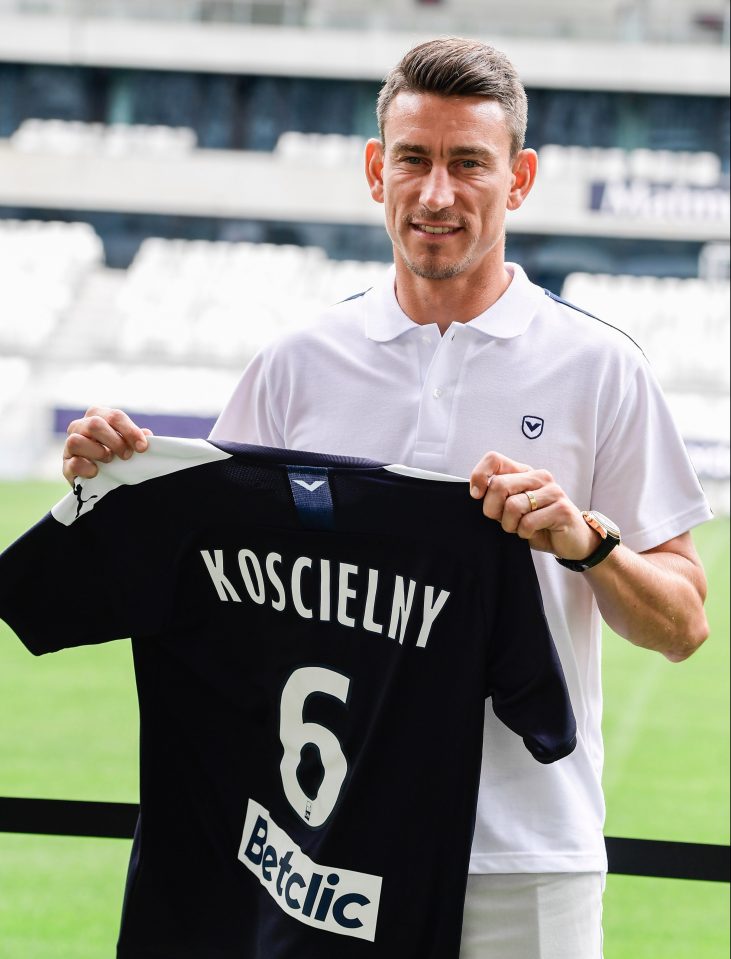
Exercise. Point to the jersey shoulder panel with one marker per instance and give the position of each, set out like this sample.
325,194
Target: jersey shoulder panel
165,455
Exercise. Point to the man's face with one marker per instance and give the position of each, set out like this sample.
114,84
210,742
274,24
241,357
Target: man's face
446,180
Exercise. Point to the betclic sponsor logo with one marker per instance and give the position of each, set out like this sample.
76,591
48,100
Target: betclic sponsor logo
324,897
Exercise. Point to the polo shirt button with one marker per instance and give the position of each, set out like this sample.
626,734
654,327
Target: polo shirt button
437,393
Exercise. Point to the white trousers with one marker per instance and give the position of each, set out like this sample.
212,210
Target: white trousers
533,916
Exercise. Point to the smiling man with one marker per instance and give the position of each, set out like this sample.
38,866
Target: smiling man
446,181
458,353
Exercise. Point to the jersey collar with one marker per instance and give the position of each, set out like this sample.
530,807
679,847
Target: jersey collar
508,317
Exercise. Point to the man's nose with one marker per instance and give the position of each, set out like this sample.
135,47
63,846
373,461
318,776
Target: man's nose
437,191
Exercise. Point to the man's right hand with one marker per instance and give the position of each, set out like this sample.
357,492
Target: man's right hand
99,436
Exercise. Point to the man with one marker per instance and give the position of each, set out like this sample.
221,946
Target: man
458,353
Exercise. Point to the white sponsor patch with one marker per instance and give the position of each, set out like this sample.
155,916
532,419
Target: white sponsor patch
324,897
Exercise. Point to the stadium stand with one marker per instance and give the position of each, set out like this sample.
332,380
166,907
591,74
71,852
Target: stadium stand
614,19
323,148
702,168
41,268
75,138
214,300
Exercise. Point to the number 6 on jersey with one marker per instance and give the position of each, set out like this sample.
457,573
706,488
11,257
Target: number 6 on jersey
295,734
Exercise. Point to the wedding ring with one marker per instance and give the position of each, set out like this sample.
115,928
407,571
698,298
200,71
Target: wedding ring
531,499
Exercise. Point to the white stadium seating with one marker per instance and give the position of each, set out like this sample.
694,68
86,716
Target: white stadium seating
41,268
700,169
75,138
328,149
221,301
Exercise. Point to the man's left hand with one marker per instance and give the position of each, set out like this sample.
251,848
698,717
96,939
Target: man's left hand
530,503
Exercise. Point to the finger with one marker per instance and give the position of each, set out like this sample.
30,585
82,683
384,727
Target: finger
132,435
112,429
76,466
553,518
519,505
77,444
492,464
507,492
94,437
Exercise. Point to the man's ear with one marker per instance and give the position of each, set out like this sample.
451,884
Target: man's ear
374,168
524,166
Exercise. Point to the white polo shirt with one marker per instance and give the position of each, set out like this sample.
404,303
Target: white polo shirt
544,384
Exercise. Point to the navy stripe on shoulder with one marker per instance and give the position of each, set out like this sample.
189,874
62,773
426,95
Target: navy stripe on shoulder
573,306
560,299
354,296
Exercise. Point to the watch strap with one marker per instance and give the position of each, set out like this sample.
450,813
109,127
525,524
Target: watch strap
605,547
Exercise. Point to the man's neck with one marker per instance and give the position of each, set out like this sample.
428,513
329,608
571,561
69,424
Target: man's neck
455,300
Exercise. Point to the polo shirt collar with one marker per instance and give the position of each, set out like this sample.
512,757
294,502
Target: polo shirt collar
384,318
508,317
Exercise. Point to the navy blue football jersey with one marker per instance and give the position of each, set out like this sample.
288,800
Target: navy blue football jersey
314,641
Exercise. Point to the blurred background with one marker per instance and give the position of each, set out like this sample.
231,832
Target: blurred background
181,180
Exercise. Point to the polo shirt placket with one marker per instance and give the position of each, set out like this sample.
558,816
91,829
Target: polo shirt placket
441,360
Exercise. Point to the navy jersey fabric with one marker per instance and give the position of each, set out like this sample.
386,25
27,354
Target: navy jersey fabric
314,639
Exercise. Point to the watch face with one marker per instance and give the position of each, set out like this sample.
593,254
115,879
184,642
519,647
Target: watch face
606,524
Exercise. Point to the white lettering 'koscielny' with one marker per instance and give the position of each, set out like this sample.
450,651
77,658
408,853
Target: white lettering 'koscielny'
323,590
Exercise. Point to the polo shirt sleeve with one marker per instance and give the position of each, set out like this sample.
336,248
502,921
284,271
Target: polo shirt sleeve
643,477
525,679
248,416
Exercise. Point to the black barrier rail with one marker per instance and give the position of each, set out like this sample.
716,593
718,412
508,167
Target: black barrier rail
115,820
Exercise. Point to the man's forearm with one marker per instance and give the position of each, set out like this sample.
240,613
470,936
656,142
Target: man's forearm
654,599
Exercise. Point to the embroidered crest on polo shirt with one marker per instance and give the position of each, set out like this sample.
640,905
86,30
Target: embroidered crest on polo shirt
532,427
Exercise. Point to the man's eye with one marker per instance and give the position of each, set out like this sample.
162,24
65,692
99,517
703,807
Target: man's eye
412,160
470,164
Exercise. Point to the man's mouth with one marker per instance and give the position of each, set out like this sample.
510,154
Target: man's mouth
435,230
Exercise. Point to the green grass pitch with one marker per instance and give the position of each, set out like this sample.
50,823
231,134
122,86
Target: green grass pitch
68,729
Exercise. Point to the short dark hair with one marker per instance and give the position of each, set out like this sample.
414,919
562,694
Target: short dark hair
453,66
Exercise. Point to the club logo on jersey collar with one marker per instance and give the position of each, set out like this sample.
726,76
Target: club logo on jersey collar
532,427
310,487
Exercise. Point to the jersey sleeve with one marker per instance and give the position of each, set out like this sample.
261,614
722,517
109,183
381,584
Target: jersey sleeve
525,679
644,479
108,575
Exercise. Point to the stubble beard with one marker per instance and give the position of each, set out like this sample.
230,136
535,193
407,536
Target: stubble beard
431,269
